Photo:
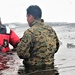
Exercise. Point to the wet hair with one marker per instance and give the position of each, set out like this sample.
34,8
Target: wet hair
35,11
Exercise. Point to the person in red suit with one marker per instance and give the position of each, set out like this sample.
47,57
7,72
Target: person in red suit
7,36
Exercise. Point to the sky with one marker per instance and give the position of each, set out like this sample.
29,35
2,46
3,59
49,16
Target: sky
52,10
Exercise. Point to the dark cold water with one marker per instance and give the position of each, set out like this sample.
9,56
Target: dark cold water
64,63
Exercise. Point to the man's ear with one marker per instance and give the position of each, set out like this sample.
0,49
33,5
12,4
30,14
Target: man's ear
32,18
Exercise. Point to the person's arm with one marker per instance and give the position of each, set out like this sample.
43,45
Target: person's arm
57,41
24,46
57,44
13,38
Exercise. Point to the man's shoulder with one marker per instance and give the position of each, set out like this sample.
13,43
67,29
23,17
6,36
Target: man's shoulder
48,26
31,29
28,31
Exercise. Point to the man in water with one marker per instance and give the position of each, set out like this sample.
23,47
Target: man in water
38,44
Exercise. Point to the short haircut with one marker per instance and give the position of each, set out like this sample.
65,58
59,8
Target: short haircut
35,11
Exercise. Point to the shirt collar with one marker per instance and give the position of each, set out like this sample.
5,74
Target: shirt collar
36,22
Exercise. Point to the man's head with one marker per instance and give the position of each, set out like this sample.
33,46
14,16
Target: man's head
33,12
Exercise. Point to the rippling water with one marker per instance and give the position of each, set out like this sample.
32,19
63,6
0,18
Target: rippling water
64,58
